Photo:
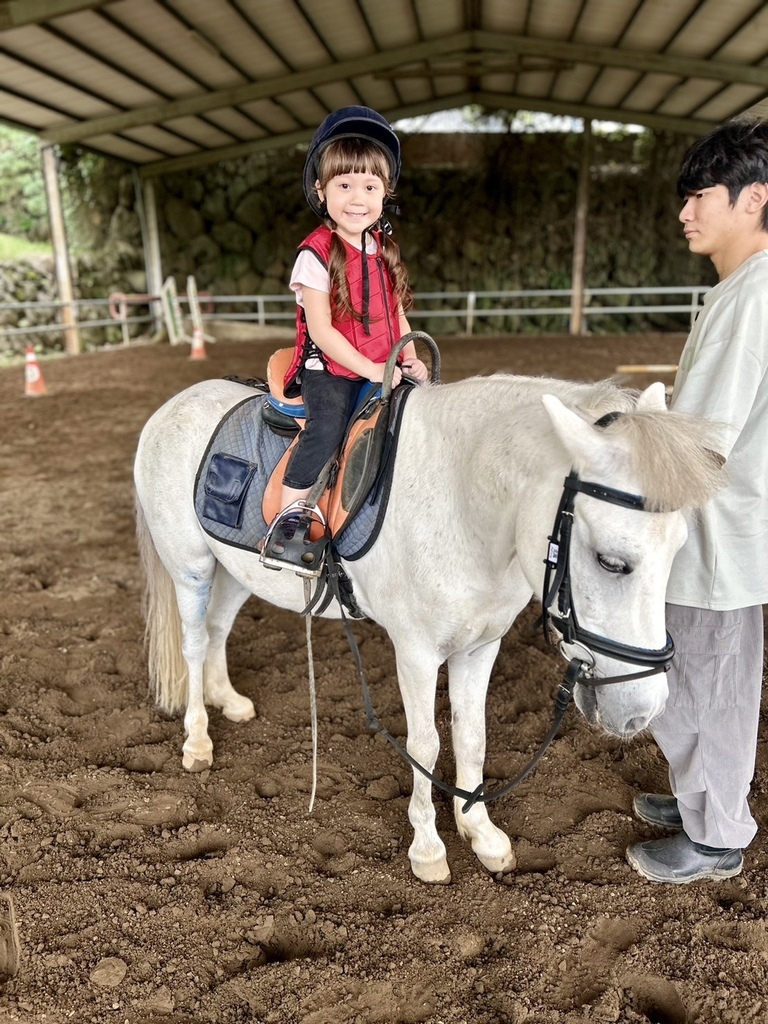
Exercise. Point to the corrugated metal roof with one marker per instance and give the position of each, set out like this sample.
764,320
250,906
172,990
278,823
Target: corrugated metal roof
166,84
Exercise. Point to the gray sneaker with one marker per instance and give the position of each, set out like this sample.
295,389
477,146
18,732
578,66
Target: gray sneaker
679,860
658,809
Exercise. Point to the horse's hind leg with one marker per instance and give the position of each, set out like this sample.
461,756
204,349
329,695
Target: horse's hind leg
193,590
468,675
227,598
179,573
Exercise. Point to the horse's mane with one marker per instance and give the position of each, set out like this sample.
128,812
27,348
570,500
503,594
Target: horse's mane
593,398
672,455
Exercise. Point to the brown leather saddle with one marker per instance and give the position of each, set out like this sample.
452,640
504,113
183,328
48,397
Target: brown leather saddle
348,478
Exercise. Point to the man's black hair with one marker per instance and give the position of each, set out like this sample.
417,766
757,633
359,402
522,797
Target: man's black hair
734,155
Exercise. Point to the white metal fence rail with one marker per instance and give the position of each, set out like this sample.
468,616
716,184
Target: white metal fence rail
473,305
465,306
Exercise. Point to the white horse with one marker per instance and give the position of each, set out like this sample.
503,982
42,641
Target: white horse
476,484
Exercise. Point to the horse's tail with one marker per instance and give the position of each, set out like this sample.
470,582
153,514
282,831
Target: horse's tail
163,634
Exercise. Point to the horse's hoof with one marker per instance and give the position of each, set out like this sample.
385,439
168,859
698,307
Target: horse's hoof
240,710
499,865
491,847
195,764
435,873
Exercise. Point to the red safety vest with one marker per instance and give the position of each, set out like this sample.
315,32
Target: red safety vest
383,311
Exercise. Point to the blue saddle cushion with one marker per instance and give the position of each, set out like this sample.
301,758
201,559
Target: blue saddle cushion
299,411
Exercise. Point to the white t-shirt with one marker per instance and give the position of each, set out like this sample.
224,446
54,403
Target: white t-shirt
723,376
309,272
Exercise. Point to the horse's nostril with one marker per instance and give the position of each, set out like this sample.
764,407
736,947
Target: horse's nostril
635,725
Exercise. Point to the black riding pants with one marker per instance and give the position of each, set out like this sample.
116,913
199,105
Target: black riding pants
329,402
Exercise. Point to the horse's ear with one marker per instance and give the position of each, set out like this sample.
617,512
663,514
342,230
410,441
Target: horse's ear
653,399
578,436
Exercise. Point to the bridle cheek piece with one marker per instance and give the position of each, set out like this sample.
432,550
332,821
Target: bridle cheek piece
562,629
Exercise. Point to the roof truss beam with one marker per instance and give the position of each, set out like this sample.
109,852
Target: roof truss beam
660,122
14,13
608,56
268,88
489,100
271,142
371,64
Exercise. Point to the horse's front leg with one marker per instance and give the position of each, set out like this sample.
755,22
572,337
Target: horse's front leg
468,675
227,597
417,674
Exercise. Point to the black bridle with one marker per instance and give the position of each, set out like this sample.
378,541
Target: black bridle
557,585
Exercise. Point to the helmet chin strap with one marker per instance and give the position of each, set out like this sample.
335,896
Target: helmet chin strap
366,233
392,208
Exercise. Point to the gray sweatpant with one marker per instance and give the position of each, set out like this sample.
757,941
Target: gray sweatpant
708,730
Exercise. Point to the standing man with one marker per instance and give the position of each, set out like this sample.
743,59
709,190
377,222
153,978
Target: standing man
719,580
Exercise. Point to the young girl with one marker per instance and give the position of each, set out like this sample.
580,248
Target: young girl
351,290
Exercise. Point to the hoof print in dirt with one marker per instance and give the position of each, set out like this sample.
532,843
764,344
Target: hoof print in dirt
385,788
331,855
9,940
267,787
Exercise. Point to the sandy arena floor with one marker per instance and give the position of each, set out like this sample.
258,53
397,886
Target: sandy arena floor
145,895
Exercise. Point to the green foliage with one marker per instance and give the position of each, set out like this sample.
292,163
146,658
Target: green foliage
90,189
22,192
12,247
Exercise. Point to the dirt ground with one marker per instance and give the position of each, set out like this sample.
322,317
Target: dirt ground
146,895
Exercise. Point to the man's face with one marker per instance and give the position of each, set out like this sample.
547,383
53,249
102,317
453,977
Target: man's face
710,222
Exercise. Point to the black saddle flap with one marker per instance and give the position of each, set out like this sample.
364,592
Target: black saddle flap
279,422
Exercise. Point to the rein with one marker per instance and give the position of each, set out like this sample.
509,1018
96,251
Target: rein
557,585
564,694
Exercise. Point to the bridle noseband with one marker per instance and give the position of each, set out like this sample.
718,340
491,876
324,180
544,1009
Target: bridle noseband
563,628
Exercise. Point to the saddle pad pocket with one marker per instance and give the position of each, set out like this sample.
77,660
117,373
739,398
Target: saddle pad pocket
226,485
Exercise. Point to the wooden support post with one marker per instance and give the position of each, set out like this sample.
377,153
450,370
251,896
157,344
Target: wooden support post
580,234
145,195
60,250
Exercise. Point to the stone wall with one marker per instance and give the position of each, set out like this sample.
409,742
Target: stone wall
477,212
480,212
25,281
32,282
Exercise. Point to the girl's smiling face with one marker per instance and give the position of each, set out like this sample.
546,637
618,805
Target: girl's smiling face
355,201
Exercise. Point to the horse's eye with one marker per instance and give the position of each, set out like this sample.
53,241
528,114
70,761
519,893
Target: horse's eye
611,564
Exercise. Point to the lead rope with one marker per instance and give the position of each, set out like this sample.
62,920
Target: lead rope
564,694
312,690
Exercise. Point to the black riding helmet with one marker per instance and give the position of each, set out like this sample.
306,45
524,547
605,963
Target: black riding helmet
349,123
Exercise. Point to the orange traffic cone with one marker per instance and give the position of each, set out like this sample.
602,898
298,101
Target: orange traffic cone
33,378
198,345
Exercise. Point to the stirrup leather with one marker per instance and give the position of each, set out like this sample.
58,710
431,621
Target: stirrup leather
296,540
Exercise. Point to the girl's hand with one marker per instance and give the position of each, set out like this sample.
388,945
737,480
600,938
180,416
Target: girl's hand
377,374
416,369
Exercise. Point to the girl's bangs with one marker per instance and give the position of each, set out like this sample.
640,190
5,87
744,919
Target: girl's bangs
353,156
